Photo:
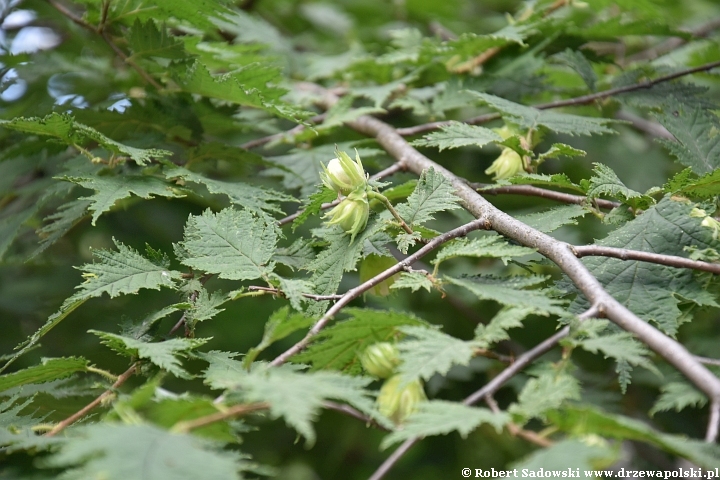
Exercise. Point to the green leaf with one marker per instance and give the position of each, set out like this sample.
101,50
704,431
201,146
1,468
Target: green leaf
456,135
511,291
205,307
429,351
342,112
110,189
706,186
280,324
10,227
49,369
553,218
294,289
11,419
378,94
589,420
223,370
145,40
296,256
248,86
59,223
440,417
68,306
414,281
339,257
234,244
577,61
678,396
622,25
313,206
163,354
620,346
120,452
558,180
698,136
338,347
121,273
548,391
569,454
251,197
653,291
433,194
496,330
605,182
532,118
373,265
298,396
64,127
493,246
561,150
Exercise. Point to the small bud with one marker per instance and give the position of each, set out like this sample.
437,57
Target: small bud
508,164
380,359
398,400
343,175
351,214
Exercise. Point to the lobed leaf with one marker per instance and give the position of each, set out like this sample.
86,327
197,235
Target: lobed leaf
163,354
433,194
428,351
235,244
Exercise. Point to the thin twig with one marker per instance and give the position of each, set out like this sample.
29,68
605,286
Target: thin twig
101,31
393,459
193,298
355,292
531,190
708,361
352,412
516,431
625,254
258,142
392,169
83,411
651,128
581,100
713,422
231,412
277,291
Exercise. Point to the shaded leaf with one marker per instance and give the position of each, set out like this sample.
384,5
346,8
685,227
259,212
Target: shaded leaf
440,417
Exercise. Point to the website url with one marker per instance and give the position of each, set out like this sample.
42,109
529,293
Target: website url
577,473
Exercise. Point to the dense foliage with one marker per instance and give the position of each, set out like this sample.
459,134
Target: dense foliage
167,314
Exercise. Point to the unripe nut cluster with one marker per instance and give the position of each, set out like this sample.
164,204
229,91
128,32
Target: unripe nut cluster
348,179
380,359
398,399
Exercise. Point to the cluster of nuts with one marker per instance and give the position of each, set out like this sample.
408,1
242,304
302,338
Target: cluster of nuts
398,398
350,181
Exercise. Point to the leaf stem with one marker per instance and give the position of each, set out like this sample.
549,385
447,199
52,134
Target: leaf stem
84,411
388,205
234,411
104,373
